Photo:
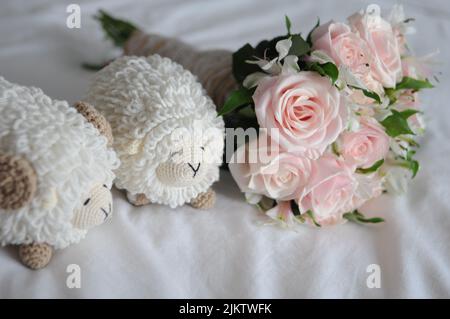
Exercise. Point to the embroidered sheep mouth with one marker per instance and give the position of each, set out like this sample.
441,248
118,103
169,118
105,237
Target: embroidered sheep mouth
105,212
194,169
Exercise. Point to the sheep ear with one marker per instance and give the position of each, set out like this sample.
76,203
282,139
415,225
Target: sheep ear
18,182
94,117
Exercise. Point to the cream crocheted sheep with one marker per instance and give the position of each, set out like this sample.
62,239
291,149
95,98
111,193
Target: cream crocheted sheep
166,131
56,171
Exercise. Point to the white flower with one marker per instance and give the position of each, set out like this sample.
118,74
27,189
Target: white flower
290,65
273,67
396,179
398,20
254,79
283,47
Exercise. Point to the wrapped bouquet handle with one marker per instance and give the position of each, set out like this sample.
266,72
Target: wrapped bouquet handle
212,67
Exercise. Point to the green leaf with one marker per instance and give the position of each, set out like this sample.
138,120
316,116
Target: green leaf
372,95
240,67
309,37
397,124
93,67
119,31
413,84
357,217
329,69
408,113
369,94
411,163
414,167
236,99
371,169
296,211
288,24
266,203
311,215
410,154
335,149
294,208
299,46
391,94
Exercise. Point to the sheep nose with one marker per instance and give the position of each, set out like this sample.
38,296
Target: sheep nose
105,212
194,169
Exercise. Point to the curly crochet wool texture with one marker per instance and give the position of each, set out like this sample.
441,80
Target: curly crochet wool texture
67,154
160,117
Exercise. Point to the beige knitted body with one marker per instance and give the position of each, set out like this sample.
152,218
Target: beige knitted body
213,67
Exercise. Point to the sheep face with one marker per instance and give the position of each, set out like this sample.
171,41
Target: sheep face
146,99
95,208
51,156
192,156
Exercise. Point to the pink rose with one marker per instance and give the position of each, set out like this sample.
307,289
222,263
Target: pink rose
344,47
366,146
330,191
380,38
281,176
306,109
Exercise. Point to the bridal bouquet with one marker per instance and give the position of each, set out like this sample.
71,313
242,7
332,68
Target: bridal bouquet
342,109
336,113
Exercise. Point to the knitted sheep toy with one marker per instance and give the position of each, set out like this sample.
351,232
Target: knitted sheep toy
55,172
166,131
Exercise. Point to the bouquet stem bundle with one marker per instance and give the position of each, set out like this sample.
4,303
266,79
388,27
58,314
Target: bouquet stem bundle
212,67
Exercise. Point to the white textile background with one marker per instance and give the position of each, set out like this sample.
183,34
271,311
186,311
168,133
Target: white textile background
155,251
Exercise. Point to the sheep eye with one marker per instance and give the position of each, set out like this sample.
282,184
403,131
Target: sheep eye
175,153
86,201
105,186
202,147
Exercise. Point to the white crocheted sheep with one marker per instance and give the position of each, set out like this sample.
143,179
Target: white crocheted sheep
166,131
56,171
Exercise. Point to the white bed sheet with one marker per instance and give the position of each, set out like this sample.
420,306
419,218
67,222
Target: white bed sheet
224,253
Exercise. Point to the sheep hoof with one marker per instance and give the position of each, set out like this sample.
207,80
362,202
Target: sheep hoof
204,200
138,200
35,256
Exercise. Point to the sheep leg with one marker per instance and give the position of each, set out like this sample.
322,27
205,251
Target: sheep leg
138,200
204,200
35,256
